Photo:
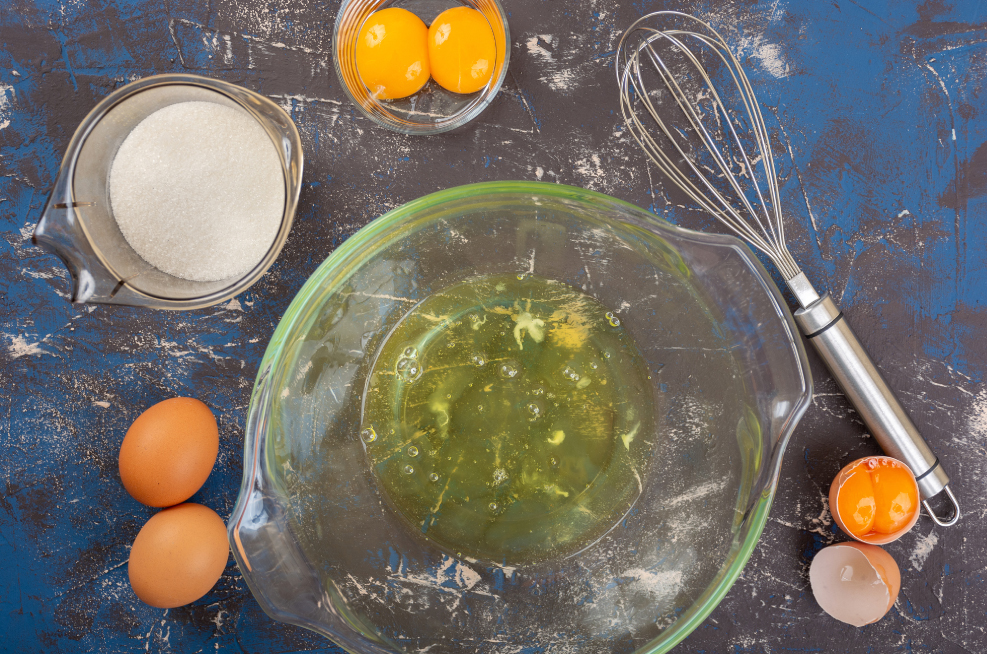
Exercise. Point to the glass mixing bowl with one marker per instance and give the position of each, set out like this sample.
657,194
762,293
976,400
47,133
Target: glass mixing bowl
320,547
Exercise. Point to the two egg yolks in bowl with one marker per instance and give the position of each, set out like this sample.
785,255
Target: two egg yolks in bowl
396,53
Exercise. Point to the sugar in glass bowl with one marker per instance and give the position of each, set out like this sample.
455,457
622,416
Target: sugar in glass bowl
432,110
321,547
79,225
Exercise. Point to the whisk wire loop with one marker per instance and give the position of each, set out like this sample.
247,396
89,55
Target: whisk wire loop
695,121
761,225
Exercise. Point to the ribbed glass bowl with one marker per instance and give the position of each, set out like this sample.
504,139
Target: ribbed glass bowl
321,548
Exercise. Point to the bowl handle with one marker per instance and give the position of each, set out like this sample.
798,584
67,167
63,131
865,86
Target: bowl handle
269,556
60,232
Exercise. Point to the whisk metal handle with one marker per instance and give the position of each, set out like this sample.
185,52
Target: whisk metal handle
823,324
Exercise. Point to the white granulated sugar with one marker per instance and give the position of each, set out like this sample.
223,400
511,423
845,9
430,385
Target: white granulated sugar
198,192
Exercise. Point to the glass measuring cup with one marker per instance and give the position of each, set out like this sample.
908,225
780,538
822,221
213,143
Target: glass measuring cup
78,223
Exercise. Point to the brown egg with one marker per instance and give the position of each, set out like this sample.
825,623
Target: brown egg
178,556
169,451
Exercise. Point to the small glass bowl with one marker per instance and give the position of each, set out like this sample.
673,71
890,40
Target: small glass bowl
78,223
432,110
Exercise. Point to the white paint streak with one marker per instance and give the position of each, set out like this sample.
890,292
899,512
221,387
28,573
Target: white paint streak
305,99
383,296
770,56
19,347
698,492
590,166
360,589
977,424
559,75
534,48
7,98
665,582
923,548
767,51
465,578
228,49
218,619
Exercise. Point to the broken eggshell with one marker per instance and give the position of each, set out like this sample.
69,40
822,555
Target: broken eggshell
855,583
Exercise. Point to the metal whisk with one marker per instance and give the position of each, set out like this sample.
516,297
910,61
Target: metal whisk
712,143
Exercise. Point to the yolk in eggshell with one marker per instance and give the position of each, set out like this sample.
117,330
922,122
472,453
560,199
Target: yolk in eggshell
857,503
894,492
877,496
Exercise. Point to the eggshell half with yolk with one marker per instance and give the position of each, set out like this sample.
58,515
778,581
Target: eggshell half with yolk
875,499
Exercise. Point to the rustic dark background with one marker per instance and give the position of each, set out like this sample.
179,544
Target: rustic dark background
882,113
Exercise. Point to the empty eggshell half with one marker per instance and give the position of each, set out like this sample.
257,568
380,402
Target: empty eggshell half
855,583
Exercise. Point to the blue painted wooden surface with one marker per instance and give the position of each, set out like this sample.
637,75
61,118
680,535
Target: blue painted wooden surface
884,116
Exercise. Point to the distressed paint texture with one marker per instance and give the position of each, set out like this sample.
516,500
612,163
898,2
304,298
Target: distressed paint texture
882,123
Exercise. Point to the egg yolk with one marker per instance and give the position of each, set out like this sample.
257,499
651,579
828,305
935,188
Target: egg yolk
461,50
878,496
392,54
894,491
856,502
